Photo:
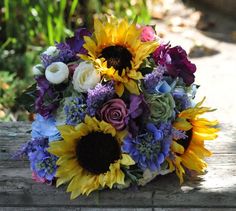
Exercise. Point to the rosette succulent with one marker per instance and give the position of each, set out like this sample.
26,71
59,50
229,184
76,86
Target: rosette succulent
161,107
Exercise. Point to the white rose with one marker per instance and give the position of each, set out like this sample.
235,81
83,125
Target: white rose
57,72
85,77
38,70
51,51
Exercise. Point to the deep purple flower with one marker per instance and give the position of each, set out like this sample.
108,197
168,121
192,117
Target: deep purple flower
148,149
48,98
138,113
161,56
176,61
76,42
98,96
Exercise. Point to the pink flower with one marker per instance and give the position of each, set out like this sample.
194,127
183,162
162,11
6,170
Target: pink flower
147,34
36,178
114,112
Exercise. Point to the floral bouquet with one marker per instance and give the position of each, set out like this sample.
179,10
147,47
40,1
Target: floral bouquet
114,109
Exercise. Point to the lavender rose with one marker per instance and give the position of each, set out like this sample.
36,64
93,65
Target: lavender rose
114,112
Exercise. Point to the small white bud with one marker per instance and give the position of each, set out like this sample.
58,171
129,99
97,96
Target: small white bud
38,70
51,51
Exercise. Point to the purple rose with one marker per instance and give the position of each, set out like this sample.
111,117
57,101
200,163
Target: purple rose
176,61
114,112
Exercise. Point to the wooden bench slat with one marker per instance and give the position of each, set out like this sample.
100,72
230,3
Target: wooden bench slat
216,189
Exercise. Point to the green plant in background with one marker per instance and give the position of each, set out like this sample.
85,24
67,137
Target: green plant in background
28,26
10,88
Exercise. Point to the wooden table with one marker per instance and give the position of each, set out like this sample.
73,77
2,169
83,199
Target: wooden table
213,191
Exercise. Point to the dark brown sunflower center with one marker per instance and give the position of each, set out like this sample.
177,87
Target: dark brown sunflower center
96,151
118,57
186,142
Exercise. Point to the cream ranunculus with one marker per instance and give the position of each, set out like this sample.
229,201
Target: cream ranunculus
57,72
85,77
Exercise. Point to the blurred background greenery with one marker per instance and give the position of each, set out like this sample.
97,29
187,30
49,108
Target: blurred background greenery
28,26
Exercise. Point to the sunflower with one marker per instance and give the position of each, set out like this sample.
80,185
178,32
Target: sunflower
89,157
189,152
117,51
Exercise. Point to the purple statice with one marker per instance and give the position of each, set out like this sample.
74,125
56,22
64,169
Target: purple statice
98,96
176,61
138,113
74,110
48,99
178,134
29,146
148,149
65,53
152,79
46,59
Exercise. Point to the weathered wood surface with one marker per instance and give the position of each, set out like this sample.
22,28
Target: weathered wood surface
216,189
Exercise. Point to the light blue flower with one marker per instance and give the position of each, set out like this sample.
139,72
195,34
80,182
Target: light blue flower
163,87
45,128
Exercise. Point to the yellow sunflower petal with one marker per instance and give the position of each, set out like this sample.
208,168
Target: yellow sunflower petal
127,160
182,124
132,87
179,169
177,148
119,88
193,162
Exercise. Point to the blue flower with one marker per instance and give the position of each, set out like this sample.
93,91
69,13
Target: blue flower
45,128
43,163
150,148
163,87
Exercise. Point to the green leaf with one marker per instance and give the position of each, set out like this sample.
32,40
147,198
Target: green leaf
27,99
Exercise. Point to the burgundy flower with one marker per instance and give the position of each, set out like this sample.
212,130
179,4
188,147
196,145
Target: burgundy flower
176,61
114,112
